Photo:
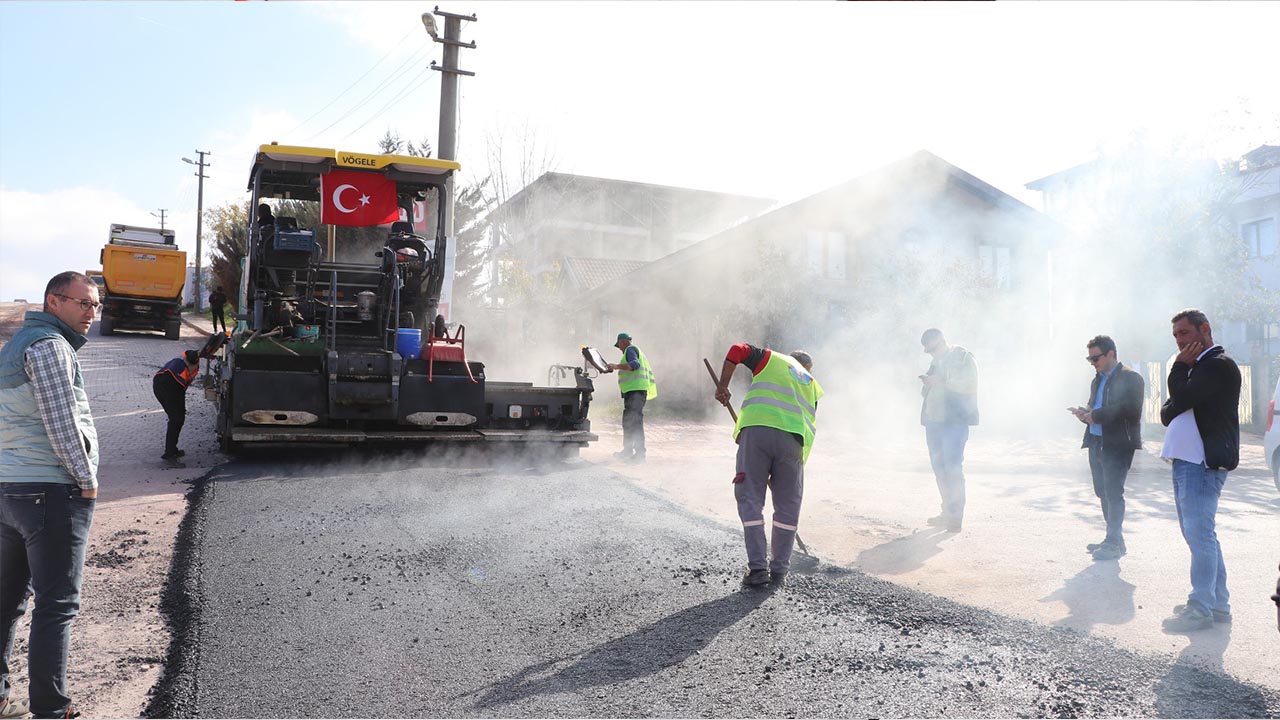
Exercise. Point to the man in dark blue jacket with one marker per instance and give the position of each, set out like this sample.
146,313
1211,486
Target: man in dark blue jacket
170,387
1113,420
1203,441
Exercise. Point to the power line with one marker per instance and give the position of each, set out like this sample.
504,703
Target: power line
352,85
403,93
395,75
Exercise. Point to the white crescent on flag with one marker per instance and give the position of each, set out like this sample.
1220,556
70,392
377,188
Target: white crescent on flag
337,198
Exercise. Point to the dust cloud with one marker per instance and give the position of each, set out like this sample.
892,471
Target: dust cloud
925,246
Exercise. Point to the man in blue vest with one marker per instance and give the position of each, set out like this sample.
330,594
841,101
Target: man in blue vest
48,488
774,432
638,386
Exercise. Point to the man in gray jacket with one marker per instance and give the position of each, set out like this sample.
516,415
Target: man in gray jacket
950,407
48,488
1113,420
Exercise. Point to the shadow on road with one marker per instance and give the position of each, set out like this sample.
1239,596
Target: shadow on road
1097,595
1197,686
644,652
903,554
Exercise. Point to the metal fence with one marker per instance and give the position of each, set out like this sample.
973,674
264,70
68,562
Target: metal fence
1157,391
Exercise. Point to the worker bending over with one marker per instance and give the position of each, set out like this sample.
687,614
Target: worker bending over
774,434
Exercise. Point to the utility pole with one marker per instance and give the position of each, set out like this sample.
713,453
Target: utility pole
448,133
161,216
199,218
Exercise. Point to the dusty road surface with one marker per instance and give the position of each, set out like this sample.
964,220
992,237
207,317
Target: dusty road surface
1030,512
611,548
363,586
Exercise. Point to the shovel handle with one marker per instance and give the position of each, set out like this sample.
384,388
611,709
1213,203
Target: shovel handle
716,380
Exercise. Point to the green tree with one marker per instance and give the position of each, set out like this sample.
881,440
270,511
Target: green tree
230,226
392,144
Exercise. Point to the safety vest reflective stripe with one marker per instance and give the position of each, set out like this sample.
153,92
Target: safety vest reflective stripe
784,526
783,396
781,405
752,523
184,378
789,391
640,379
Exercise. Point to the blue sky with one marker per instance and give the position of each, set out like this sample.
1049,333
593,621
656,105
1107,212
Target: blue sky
102,100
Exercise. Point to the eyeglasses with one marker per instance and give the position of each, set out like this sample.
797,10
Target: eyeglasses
84,304
1095,358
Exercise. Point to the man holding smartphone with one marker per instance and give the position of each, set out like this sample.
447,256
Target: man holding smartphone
950,407
1113,431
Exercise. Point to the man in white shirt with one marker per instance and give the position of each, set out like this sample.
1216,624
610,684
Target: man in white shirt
1203,442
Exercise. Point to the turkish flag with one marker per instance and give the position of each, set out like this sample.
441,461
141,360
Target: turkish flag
356,198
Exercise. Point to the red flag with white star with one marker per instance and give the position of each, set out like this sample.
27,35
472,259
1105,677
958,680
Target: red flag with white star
360,199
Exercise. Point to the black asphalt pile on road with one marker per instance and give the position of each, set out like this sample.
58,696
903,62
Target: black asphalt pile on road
364,587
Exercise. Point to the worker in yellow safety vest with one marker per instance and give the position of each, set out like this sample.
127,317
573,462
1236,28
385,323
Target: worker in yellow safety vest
775,432
638,386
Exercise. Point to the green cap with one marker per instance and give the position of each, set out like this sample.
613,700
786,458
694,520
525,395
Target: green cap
621,337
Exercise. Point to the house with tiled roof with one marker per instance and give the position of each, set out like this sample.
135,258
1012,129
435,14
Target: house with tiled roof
854,273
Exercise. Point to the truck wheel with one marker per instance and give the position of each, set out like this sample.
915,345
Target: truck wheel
106,326
172,329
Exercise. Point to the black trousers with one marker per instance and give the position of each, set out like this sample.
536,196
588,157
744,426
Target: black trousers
1110,467
218,317
633,421
173,398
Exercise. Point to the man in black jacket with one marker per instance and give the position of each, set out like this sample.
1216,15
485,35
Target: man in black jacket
1114,430
1203,441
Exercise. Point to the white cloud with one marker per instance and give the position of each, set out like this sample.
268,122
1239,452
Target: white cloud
43,234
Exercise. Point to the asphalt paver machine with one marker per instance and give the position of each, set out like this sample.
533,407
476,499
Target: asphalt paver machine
339,338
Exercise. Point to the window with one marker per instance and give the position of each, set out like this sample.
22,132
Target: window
1266,335
826,254
1260,237
994,263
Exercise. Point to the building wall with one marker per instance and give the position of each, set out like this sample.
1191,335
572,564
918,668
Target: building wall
847,272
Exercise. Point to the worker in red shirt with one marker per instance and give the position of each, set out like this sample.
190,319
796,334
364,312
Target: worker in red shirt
774,432
170,386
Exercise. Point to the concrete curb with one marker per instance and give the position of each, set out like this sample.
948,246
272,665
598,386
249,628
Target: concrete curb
198,328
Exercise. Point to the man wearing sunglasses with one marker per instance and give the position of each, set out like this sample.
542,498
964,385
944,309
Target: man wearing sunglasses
48,487
1113,420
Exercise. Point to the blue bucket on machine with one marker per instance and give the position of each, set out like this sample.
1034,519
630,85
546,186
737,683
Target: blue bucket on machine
409,343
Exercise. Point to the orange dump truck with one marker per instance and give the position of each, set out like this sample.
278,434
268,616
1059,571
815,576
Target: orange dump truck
143,273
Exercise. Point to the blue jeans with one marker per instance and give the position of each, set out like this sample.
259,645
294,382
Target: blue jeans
1195,492
44,529
946,455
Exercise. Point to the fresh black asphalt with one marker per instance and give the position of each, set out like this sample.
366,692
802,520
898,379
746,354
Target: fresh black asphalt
359,586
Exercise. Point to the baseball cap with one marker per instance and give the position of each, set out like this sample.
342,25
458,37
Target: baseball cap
621,337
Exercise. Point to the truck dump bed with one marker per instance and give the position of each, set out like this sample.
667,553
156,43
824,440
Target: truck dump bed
143,273
140,270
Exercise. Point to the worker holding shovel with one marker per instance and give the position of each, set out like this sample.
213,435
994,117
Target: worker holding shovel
774,434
